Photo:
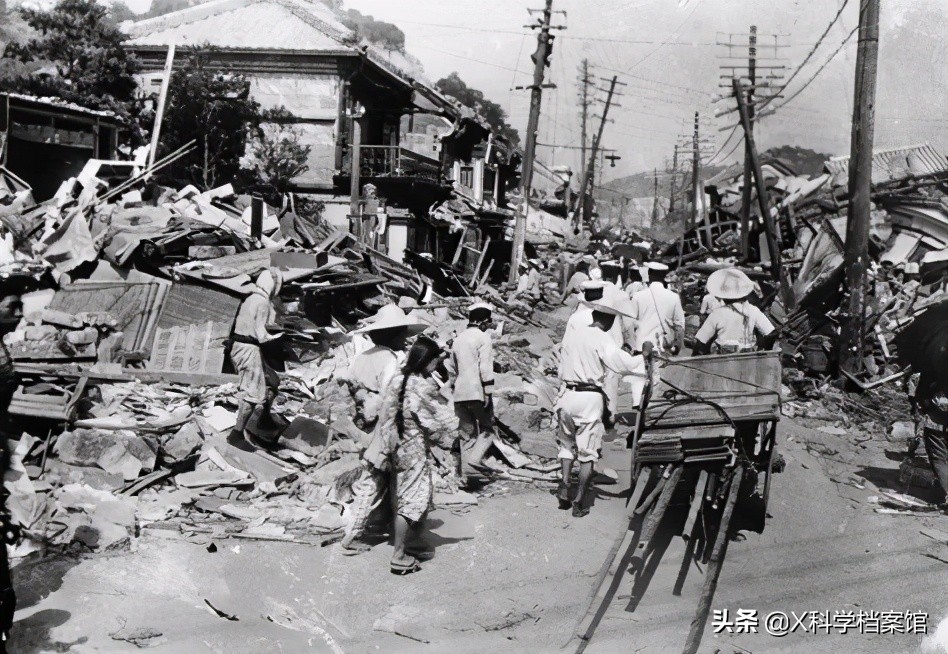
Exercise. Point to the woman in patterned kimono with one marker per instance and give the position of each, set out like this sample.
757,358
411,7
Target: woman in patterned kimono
411,419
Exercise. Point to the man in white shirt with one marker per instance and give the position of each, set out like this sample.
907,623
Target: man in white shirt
636,281
660,319
472,358
734,326
587,357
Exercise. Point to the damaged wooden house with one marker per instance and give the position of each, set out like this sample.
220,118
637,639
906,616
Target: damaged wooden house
401,166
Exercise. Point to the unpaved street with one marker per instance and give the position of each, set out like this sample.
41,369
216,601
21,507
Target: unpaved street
513,574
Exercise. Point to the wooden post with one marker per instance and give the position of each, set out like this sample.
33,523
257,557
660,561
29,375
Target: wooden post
856,258
674,182
694,182
540,58
160,109
713,571
591,166
355,193
746,189
585,81
776,267
256,217
654,517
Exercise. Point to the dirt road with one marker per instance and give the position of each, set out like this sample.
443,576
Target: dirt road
513,574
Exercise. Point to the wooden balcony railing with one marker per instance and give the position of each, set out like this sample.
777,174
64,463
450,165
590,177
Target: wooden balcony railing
392,161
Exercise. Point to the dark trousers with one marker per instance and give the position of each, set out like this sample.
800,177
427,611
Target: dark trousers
474,418
936,445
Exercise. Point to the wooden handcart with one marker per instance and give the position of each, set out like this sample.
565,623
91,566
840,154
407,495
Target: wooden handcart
703,434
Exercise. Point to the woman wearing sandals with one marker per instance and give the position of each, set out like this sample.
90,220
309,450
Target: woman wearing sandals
410,420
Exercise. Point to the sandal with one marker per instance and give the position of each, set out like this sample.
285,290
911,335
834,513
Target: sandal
404,568
355,548
579,511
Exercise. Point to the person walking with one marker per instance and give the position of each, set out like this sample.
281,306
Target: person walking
258,382
659,317
369,373
734,326
584,407
472,361
410,420
931,398
389,330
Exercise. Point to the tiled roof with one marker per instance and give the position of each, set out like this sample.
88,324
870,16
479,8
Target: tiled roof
255,24
898,163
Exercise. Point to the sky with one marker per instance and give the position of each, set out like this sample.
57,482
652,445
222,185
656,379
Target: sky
666,54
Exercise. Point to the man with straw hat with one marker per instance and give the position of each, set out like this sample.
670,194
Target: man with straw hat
389,330
472,361
587,357
734,326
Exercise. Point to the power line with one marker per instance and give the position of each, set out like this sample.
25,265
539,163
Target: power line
667,40
477,61
819,70
808,56
654,81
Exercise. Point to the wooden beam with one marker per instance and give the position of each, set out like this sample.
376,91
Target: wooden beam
713,571
160,109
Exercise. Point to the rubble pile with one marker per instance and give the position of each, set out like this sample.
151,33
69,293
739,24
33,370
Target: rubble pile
126,404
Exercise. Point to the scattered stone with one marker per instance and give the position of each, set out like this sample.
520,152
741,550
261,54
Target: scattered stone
901,432
835,431
180,445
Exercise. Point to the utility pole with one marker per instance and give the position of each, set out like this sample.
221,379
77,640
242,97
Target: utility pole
770,227
746,189
855,260
584,99
591,166
674,182
695,163
585,80
541,59
655,200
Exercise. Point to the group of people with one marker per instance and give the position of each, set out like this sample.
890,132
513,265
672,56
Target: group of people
401,406
610,338
400,382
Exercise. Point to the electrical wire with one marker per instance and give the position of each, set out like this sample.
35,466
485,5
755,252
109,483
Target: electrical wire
819,70
477,61
623,73
809,55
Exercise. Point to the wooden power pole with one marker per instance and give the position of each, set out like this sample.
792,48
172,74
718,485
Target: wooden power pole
591,166
541,59
770,227
856,258
584,101
695,163
746,188
674,182
655,200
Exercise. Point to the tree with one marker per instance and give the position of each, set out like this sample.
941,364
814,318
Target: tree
274,154
80,40
213,107
121,12
162,7
492,112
